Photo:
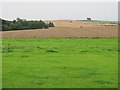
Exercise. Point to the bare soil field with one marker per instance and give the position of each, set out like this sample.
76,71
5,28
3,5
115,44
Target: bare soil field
67,28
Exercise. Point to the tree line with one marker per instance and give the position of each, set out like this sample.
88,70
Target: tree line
22,24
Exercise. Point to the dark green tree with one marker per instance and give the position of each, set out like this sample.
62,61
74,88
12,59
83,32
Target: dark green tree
50,24
20,24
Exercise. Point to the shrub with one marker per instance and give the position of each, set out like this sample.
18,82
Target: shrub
52,51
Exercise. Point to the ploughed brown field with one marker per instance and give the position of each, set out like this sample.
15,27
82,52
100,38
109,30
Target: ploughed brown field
67,28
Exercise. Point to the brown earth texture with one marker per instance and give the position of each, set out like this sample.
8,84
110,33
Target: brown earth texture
69,29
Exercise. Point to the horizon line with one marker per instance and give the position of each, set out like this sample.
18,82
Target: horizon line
60,19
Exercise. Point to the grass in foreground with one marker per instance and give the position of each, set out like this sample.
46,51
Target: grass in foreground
60,63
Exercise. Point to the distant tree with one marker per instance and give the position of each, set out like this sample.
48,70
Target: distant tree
50,24
14,21
19,20
89,19
24,24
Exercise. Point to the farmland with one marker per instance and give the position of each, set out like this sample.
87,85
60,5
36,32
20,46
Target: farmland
60,62
59,45
68,29
73,54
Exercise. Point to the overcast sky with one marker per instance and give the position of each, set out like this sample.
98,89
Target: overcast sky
60,10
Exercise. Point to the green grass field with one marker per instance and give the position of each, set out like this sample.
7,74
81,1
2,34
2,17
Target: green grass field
60,63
